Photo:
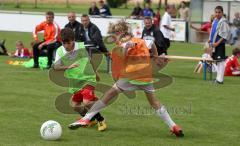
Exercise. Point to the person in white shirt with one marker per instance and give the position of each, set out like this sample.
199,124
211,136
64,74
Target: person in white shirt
183,11
165,26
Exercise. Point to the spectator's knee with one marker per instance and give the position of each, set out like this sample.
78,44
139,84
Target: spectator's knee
35,47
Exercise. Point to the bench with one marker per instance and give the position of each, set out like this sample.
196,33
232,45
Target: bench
202,36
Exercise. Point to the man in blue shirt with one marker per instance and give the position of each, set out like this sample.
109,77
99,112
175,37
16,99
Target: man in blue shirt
147,11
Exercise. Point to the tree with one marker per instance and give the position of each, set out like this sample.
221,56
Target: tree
17,4
35,4
67,4
160,4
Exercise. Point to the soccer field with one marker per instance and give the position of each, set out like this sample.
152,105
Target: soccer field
208,113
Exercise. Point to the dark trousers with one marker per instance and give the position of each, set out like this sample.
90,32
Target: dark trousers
4,49
164,50
47,50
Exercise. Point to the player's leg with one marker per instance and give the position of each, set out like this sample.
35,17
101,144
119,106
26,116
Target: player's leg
96,119
100,104
163,114
50,50
220,72
76,104
82,110
89,98
236,73
109,96
2,45
36,53
198,68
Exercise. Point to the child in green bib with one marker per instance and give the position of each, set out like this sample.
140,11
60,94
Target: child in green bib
73,59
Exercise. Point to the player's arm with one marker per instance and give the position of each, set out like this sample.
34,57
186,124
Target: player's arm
95,70
154,50
223,33
37,29
169,28
218,42
194,27
58,65
237,65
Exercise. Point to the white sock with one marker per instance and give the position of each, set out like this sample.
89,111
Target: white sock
220,71
96,108
163,114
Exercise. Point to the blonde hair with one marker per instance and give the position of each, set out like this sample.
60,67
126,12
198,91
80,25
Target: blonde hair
19,42
120,26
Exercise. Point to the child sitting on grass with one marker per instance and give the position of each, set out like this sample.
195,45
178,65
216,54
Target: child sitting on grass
206,55
20,51
232,64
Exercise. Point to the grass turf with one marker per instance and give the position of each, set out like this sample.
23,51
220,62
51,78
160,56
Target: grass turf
209,114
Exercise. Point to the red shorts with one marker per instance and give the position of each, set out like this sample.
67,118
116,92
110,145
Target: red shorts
86,93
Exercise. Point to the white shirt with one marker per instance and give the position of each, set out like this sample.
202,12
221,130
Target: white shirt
86,34
70,55
149,41
166,20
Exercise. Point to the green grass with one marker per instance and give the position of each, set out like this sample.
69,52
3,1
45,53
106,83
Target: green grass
209,114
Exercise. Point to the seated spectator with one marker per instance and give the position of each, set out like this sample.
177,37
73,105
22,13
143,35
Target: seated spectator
232,64
205,27
236,29
74,25
157,18
93,10
104,9
148,11
91,34
51,39
20,51
137,11
206,55
2,45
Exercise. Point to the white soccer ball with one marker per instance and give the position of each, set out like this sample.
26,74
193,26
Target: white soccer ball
51,130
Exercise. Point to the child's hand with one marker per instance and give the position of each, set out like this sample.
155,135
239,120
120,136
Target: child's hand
41,46
73,65
130,45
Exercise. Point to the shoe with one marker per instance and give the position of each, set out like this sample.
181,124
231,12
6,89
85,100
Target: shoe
217,82
79,123
102,125
2,42
177,131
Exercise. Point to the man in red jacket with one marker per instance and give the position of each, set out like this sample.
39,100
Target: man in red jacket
51,39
